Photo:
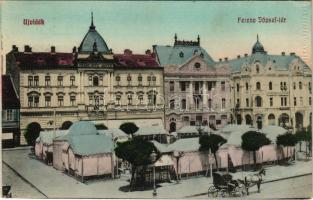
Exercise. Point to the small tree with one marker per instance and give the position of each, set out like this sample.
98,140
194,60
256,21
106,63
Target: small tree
286,140
101,127
211,142
129,128
253,141
137,152
305,136
31,133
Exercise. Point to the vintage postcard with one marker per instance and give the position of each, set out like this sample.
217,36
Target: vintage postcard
156,99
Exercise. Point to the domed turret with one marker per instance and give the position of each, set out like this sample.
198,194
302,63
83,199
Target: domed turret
92,37
258,47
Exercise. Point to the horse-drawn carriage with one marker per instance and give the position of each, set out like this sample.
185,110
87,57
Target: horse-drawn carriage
224,184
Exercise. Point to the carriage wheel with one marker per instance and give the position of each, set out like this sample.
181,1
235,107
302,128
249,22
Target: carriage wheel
212,191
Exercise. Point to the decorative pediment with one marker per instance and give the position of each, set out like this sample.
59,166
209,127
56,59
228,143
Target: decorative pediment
196,64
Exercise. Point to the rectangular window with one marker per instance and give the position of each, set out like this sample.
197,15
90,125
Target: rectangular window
130,99
310,101
238,103
30,101
100,80
183,86
60,80
282,101
90,80
294,85
223,103
36,81
295,101
9,115
140,98
301,101
247,102
47,80
172,86
60,100
73,100
90,100
271,101
36,101
30,81
223,85
285,101
47,101
72,80
211,85
118,100
210,103
154,80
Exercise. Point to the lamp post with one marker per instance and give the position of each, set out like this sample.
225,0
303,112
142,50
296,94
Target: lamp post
153,159
200,129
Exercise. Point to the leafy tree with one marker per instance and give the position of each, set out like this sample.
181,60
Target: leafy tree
137,152
31,133
253,141
306,136
286,140
66,125
129,128
211,142
101,127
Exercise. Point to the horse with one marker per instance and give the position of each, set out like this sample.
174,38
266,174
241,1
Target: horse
254,179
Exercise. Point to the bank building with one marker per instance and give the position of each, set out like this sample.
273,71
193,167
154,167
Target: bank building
91,83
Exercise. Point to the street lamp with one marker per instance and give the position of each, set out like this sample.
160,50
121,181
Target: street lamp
153,159
200,130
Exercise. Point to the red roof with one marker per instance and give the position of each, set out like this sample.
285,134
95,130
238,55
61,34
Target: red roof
9,96
44,60
136,60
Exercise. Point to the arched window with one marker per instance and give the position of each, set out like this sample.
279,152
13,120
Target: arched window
258,85
172,104
247,86
258,101
237,87
257,67
270,86
95,81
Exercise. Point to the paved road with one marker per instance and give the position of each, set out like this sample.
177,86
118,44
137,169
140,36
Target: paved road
20,188
299,187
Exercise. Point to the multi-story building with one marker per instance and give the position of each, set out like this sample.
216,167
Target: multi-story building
91,83
10,113
196,88
271,89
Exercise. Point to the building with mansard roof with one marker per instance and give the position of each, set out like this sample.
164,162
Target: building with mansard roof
196,89
271,89
91,83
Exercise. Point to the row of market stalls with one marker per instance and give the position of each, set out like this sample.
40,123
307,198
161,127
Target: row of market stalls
85,151
187,160
82,150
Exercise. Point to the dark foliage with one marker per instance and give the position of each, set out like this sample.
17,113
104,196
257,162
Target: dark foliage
129,128
31,133
101,127
66,125
286,139
253,141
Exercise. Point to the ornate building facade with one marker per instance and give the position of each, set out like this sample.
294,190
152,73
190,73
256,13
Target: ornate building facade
271,89
91,83
196,88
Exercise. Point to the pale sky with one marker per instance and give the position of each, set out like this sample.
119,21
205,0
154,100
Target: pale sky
139,25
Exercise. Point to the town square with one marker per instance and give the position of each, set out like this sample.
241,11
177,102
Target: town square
98,105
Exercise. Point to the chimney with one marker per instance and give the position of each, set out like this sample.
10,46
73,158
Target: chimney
52,49
283,53
148,51
226,59
292,53
27,48
238,56
14,48
127,52
74,49
220,59
246,55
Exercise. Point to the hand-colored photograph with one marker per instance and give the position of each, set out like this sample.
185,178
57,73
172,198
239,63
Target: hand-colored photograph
156,99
